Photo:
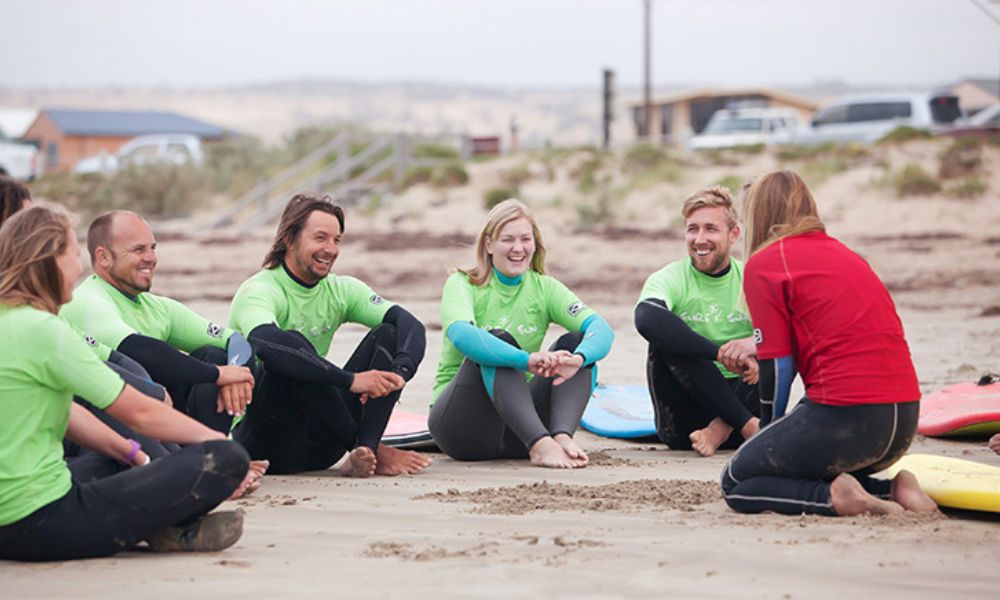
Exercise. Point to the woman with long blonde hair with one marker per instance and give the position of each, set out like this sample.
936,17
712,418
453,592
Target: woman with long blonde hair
44,513
497,394
820,310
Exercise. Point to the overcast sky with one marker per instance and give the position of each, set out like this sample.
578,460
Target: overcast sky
495,42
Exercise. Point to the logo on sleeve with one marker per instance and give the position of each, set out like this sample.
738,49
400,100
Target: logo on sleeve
214,330
575,308
90,340
376,299
758,337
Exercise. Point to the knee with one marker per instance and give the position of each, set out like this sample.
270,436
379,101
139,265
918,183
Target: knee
211,354
505,336
384,333
568,341
227,458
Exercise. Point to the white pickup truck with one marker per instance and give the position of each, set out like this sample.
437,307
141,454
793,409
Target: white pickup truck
19,161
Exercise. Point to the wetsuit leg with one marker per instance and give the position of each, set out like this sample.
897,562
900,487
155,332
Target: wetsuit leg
787,468
687,393
374,352
200,400
465,424
116,513
563,404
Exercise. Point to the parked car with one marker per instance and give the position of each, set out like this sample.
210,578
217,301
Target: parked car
747,127
19,161
179,149
868,117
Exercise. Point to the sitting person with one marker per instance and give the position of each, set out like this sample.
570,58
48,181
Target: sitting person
497,394
44,513
691,312
307,412
819,309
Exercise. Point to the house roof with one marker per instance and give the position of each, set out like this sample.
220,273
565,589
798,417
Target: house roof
990,86
129,123
698,93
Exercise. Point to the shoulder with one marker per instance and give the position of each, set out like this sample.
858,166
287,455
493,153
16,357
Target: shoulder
457,281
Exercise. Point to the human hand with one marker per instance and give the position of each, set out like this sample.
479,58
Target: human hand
140,459
734,353
567,367
166,398
542,363
229,374
751,373
233,398
995,443
375,384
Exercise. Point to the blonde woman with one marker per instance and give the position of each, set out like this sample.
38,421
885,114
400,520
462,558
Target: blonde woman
818,308
44,513
497,394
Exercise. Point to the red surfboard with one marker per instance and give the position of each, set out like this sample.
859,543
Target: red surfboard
966,409
407,430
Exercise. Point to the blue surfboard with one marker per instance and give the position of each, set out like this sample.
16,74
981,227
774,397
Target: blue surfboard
620,411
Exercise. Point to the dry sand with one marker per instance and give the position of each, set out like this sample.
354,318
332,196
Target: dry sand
641,521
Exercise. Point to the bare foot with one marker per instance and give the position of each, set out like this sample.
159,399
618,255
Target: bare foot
907,493
751,428
360,463
251,481
393,461
571,448
849,499
706,441
548,453
995,443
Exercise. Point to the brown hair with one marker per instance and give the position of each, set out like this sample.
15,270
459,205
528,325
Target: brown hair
99,234
13,193
716,195
503,213
778,205
293,220
29,244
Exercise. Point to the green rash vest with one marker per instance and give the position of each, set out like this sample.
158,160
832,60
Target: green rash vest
43,364
712,307
109,316
271,296
524,310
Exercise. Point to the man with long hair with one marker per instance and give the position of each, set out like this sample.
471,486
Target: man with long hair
701,367
307,412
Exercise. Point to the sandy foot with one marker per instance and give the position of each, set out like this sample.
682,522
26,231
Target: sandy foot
393,461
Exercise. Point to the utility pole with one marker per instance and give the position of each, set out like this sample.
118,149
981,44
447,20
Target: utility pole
647,95
608,114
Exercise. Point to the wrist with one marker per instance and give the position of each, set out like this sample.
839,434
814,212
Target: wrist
133,450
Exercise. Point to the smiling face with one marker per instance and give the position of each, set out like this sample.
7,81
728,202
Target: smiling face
709,239
130,262
69,266
310,256
513,248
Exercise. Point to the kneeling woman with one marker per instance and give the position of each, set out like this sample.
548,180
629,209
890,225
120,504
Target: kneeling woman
819,309
44,514
495,316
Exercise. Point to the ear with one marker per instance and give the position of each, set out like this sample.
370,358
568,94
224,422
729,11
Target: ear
489,245
734,233
103,256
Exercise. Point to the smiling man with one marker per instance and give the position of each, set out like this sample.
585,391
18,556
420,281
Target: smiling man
180,349
692,314
307,412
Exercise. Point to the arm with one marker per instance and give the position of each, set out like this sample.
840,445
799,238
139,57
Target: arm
597,339
411,341
289,353
165,364
484,348
668,333
88,431
776,375
157,420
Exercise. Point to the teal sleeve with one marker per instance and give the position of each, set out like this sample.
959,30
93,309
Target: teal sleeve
484,348
597,339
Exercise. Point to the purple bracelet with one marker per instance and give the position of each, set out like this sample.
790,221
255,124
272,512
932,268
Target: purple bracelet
135,448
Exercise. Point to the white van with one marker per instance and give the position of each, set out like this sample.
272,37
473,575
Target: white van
731,127
178,149
868,117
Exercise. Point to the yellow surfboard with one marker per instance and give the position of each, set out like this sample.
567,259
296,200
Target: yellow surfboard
953,482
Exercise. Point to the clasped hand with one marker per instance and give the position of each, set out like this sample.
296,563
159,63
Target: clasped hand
560,364
740,356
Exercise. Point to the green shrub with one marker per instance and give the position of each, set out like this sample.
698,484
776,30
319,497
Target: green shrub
904,133
642,157
515,176
962,158
912,180
749,148
495,196
430,150
969,187
450,174
415,175
600,213
732,182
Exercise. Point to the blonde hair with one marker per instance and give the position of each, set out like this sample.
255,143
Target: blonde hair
716,195
30,241
502,214
778,205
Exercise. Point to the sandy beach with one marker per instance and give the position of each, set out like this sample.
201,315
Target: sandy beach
640,521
